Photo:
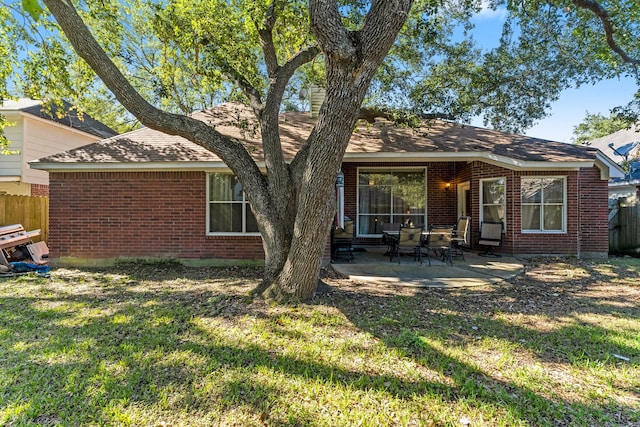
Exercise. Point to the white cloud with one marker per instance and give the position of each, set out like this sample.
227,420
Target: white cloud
486,12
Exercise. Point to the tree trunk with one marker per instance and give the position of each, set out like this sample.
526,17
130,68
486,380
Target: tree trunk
294,257
294,206
315,204
351,61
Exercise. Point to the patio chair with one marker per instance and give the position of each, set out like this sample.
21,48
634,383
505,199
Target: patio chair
390,234
461,235
342,241
409,241
439,241
490,237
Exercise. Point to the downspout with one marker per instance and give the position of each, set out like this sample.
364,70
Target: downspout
579,222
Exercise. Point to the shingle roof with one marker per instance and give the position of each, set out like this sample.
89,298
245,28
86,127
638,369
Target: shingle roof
619,140
85,124
147,145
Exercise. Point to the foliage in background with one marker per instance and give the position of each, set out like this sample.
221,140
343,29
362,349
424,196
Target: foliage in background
596,126
181,57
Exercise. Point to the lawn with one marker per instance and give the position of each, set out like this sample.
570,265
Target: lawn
166,345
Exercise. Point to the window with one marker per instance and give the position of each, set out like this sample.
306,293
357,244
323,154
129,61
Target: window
228,208
543,204
492,199
390,196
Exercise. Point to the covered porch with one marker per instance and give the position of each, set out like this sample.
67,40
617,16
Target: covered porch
552,211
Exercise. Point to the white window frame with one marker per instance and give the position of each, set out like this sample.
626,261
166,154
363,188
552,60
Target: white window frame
504,200
542,204
390,170
245,207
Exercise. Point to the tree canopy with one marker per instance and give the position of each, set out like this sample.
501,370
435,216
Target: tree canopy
188,56
595,126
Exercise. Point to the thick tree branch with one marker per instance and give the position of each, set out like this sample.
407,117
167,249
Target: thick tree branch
385,16
609,30
326,26
399,117
265,32
297,61
232,152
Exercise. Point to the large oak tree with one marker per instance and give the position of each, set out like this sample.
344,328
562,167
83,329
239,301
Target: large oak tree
162,59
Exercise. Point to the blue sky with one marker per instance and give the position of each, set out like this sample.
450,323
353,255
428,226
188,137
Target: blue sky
573,105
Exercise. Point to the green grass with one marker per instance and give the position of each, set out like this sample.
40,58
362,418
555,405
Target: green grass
165,345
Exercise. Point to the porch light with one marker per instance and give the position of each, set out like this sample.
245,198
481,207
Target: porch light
447,186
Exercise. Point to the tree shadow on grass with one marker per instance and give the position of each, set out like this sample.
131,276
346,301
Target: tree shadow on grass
88,349
565,327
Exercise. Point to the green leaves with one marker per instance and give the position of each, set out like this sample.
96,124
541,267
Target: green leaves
185,56
596,126
33,8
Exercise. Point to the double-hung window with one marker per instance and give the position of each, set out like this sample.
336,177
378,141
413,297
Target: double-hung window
493,199
543,204
386,196
228,209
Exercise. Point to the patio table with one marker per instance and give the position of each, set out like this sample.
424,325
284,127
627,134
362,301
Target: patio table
393,236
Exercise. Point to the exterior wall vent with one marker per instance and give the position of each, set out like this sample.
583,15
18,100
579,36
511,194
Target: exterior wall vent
316,98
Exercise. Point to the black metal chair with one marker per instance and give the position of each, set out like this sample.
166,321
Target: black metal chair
439,242
409,241
491,237
461,235
390,233
342,242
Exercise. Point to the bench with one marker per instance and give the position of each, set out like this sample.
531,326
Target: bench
15,235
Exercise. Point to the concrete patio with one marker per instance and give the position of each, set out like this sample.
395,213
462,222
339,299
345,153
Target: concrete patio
371,266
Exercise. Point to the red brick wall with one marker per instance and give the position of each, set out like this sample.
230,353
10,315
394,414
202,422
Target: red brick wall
98,215
593,221
39,190
586,229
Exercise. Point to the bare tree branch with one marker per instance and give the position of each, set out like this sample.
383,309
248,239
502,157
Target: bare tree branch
399,117
253,94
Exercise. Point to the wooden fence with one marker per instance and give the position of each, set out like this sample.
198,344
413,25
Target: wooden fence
624,226
30,211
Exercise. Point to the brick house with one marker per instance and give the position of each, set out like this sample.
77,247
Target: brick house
146,194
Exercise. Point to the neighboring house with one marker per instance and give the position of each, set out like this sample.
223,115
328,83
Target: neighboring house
145,194
623,147
33,133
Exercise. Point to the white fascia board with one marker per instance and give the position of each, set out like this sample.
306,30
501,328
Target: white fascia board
11,178
624,183
497,160
494,159
132,166
608,167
